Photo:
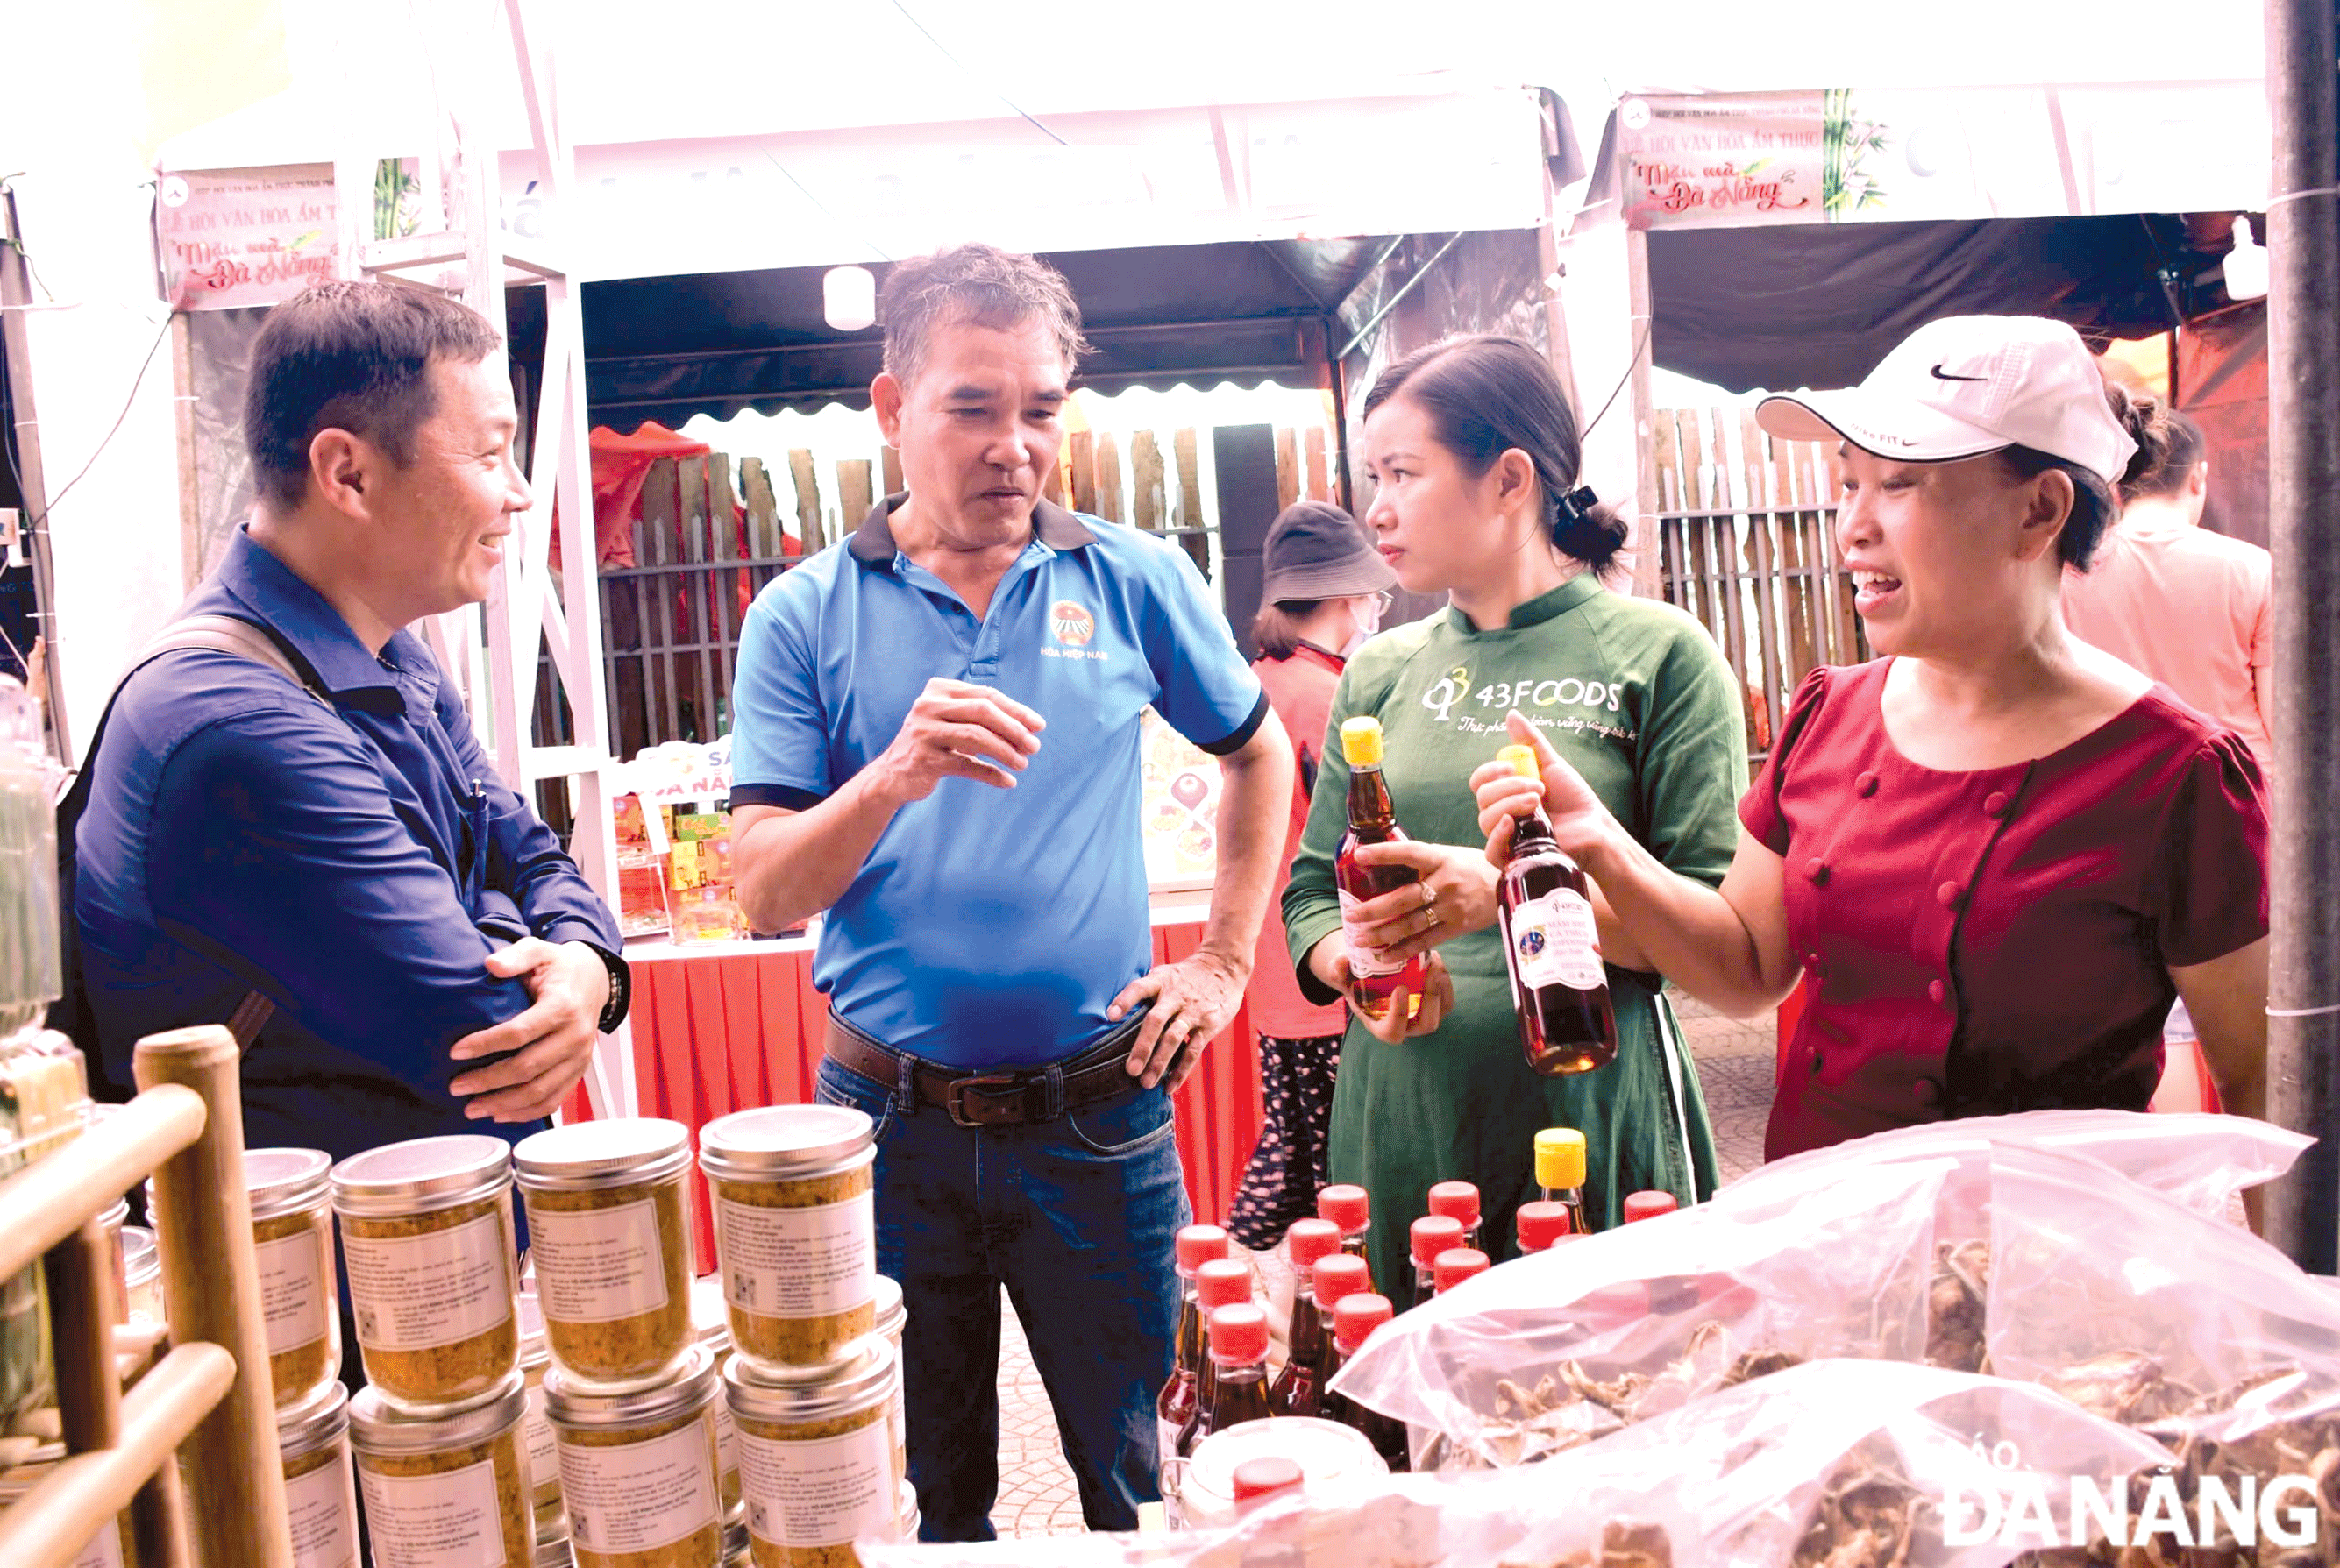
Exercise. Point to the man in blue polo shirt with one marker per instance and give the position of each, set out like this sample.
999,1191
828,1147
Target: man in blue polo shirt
435,961
937,743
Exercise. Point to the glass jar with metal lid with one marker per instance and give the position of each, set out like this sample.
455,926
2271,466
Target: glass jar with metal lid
637,1468
553,1550
907,1504
893,1317
610,1233
713,1326
795,1232
816,1457
292,1233
321,1499
142,1275
427,1237
536,1432
444,1487
738,1552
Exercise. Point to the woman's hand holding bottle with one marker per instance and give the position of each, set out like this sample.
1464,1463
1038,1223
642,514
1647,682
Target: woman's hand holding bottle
1580,824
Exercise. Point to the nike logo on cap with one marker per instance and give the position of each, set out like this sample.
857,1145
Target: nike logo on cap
1942,375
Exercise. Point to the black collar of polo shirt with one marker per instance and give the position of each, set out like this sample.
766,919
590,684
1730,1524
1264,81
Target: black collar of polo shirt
873,542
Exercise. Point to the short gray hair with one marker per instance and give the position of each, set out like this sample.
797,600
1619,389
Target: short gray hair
979,284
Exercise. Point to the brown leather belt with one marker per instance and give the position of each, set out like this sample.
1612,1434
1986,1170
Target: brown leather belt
1015,1096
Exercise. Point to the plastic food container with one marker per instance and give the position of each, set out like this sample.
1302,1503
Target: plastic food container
320,1498
427,1237
553,1551
637,1468
142,1275
292,1233
1201,1491
816,1457
536,1432
610,1236
713,1326
450,1487
795,1228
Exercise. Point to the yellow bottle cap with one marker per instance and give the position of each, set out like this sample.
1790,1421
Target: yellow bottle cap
1560,1157
1361,741
1523,760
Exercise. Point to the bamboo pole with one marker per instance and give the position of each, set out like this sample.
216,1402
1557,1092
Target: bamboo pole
47,1199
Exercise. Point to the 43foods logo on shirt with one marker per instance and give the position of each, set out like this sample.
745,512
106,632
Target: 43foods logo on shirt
1074,626
1492,699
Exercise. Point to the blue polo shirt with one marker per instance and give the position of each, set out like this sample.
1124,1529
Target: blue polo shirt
356,863
988,927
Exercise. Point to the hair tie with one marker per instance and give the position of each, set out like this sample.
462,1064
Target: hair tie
1576,506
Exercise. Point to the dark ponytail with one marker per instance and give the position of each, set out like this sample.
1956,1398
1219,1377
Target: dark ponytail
1486,395
2168,444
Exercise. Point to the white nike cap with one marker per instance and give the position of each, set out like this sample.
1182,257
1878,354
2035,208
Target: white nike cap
1964,386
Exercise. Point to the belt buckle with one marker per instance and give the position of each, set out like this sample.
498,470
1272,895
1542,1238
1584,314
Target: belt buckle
989,1087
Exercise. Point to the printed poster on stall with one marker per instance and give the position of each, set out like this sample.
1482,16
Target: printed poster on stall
1179,807
245,236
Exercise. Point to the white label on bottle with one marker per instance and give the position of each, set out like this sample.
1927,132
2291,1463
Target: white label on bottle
416,1292
640,1496
1364,962
293,1295
536,1432
598,1265
1555,941
824,1492
798,1262
449,1521
324,1510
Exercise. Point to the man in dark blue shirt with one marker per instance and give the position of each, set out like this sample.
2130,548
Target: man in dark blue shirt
437,963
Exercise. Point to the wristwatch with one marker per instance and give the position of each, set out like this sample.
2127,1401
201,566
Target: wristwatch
622,989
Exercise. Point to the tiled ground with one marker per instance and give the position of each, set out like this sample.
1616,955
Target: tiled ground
1036,1490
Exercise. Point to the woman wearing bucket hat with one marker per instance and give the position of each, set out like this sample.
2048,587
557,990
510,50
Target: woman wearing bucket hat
1993,854
1323,589
1474,452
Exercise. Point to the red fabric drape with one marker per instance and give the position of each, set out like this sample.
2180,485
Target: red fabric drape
620,463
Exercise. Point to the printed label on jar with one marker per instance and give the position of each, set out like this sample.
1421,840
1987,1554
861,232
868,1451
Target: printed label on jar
1364,962
292,1290
324,1516
642,1496
1556,942
449,1521
824,1492
417,1292
798,1262
600,1264
104,1548
536,1433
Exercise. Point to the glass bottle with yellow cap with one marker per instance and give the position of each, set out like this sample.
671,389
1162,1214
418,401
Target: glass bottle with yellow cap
1373,819
1560,1173
1551,949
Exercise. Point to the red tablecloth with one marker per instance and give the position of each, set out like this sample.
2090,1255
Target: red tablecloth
722,1032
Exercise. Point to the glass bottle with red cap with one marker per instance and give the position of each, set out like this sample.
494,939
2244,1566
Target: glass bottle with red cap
1543,1225
1551,948
1271,1476
1298,1389
1455,1264
1353,1322
1648,1205
1175,1407
1238,1369
1430,1236
1295,1387
1560,1172
1373,819
1222,1282
1460,1200
1351,1208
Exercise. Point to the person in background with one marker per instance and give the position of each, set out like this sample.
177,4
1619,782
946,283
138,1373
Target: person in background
1473,451
1323,590
1995,854
937,743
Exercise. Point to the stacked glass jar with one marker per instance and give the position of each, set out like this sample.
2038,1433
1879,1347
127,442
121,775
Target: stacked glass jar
813,1383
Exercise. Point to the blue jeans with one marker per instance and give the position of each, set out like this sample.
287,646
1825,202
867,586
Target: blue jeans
1076,1219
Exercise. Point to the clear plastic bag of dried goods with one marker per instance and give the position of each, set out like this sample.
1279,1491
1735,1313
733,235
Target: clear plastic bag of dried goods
1552,1351
2189,1329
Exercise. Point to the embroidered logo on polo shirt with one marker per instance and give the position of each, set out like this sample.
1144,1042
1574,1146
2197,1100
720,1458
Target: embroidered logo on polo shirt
1073,625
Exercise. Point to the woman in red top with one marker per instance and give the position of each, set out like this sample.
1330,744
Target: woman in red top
1323,589
1996,853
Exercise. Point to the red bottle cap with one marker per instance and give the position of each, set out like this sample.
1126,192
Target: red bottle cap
1223,1282
1648,1205
1457,1264
1239,1333
1338,1277
1312,1239
1433,1234
1542,1223
1265,1476
1458,1199
1357,1317
1198,1244
1346,1207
